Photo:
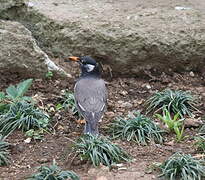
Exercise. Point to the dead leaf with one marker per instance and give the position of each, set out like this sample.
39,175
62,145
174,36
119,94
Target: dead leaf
80,121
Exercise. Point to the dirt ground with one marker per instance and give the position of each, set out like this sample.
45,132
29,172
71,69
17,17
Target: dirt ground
125,94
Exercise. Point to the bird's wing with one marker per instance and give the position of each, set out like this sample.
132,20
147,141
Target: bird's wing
91,96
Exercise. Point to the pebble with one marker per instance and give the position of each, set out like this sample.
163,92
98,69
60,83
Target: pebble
191,122
27,140
148,86
124,93
191,74
110,114
126,105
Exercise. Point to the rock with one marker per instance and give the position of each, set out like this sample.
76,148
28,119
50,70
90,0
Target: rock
123,104
20,53
191,74
170,143
192,122
122,40
126,105
28,140
147,86
110,114
7,4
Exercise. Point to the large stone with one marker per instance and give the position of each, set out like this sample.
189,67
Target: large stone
7,4
131,36
19,52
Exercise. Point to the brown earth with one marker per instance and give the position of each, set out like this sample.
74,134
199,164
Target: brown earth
56,145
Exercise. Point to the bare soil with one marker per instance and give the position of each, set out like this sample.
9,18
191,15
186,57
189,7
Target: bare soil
57,144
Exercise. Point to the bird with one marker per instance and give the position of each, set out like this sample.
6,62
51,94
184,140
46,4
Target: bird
90,93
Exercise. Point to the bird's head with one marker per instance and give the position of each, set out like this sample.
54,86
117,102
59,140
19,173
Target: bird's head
88,65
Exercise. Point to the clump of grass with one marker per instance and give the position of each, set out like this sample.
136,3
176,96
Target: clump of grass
200,143
202,129
24,116
173,124
68,101
183,167
18,111
53,172
175,101
138,128
4,153
99,150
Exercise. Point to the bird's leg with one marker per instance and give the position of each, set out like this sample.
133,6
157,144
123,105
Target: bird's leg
91,128
87,128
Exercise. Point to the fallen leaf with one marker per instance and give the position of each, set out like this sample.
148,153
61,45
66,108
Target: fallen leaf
80,121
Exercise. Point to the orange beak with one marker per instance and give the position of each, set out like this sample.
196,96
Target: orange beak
74,58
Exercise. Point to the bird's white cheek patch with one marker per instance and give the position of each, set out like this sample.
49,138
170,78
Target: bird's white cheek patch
90,67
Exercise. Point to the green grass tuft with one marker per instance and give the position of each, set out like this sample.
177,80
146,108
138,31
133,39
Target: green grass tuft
138,128
99,150
183,167
4,153
68,101
174,101
24,116
53,172
174,124
200,143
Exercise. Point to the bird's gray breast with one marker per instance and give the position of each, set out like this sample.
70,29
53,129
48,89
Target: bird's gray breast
90,95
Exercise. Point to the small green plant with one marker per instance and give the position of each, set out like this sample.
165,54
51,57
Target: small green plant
53,172
49,74
200,143
68,101
4,153
139,128
173,124
99,150
22,115
181,102
183,167
35,134
14,94
179,133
